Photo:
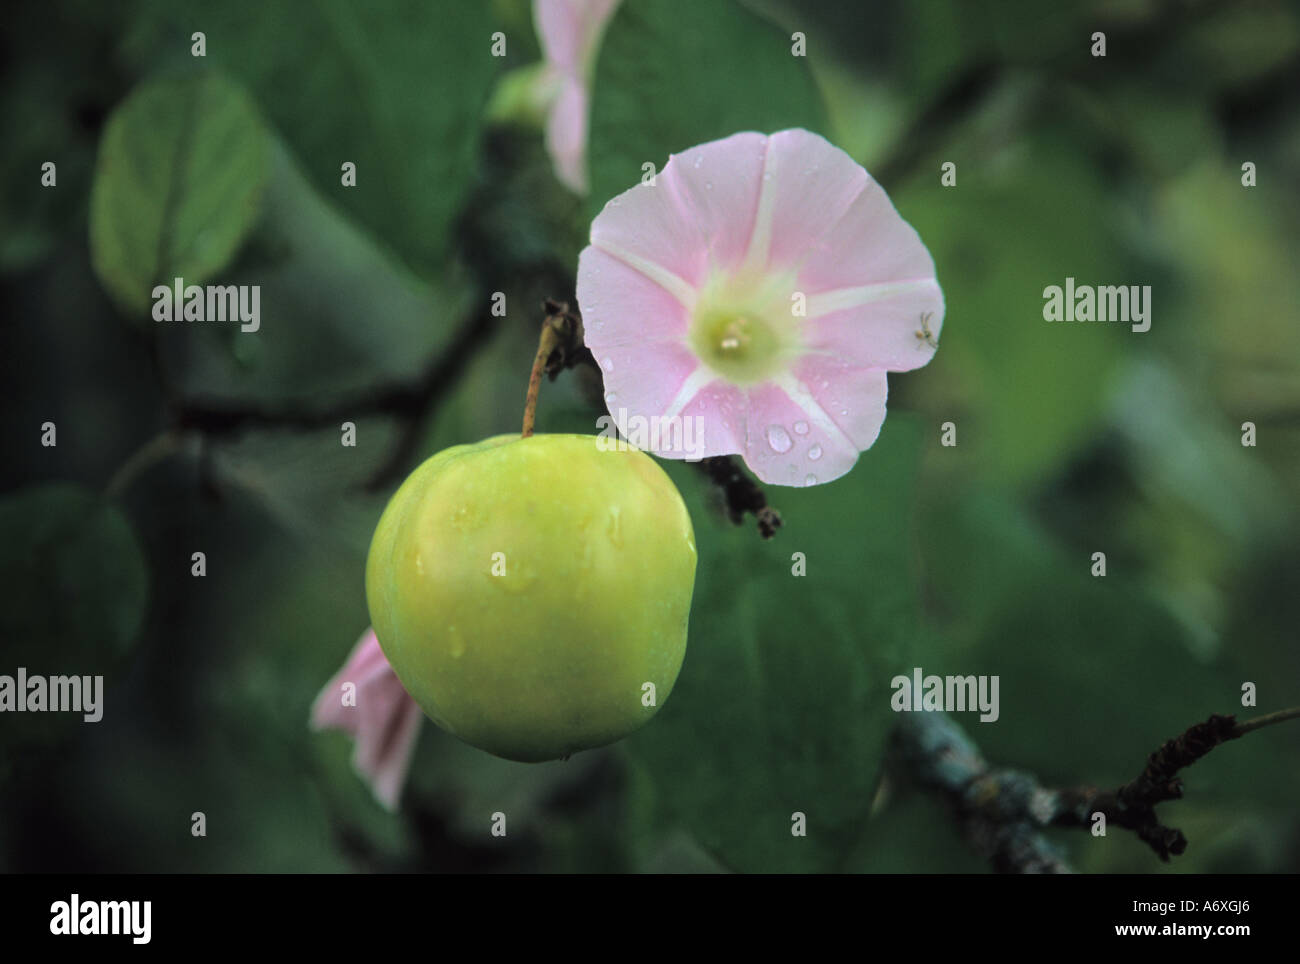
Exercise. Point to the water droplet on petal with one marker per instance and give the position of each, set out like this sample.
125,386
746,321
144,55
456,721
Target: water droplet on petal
815,453
779,438
810,480
708,185
800,428
607,363
611,398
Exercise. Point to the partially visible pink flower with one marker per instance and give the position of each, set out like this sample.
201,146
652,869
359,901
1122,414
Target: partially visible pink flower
766,285
570,32
377,712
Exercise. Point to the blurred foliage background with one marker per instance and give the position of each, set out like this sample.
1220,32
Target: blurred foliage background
973,559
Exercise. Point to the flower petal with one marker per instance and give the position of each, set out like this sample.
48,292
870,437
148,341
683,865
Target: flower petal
854,398
568,29
869,281
715,242
566,135
649,229
623,306
570,32
719,184
808,184
560,29
384,721
386,743
793,438
898,331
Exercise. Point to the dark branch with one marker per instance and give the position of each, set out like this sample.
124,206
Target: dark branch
1132,806
570,349
1001,811
741,493
995,809
412,401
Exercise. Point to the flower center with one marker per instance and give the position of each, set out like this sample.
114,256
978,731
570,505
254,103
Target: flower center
740,332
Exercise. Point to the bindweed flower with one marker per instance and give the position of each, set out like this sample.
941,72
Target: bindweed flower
377,713
763,285
570,32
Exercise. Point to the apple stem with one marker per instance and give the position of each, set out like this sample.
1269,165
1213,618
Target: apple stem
546,344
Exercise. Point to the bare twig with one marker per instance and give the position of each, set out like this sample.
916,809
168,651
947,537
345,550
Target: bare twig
1001,812
412,401
1132,805
557,348
142,459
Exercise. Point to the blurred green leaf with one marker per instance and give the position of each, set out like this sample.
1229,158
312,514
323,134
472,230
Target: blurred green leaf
783,702
337,313
671,76
177,187
1020,221
76,581
59,80
397,88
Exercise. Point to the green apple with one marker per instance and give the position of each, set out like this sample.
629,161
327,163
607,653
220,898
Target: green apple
532,594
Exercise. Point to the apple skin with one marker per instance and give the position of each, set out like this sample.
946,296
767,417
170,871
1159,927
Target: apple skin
551,657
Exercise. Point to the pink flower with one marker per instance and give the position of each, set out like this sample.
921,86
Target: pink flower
764,285
366,701
570,32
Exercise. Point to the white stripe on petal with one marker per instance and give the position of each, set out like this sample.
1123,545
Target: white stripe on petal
695,382
816,414
829,302
676,286
760,239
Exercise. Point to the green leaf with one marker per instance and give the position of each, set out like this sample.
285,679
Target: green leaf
1035,391
75,578
783,702
325,284
177,185
671,76
396,88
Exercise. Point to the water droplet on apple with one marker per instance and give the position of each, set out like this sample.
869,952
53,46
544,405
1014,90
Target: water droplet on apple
466,518
455,642
615,528
519,577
